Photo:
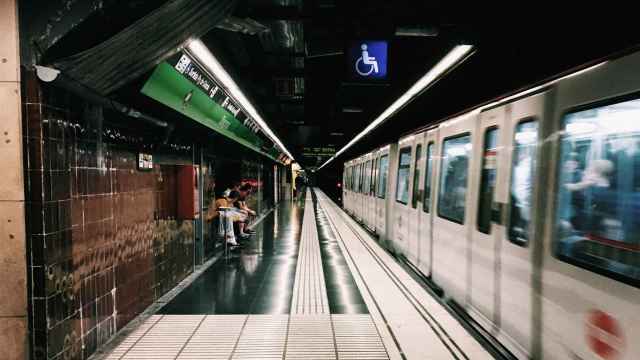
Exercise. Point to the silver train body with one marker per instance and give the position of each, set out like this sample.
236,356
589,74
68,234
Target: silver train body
526,212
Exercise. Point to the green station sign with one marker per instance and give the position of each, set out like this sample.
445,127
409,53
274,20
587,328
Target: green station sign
181,84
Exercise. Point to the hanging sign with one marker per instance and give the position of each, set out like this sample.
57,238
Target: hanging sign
182,85
368,59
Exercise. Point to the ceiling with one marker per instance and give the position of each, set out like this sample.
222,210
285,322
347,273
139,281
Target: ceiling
296,70
288,57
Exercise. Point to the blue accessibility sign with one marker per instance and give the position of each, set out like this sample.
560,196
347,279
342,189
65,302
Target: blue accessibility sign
368,59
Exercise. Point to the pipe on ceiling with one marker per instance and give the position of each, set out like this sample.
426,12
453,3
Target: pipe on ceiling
56,78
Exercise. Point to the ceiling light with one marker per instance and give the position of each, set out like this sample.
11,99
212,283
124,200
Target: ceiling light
456,56
351,110
198,50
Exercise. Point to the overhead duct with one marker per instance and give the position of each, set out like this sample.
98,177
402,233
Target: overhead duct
56,78
144,44
245,26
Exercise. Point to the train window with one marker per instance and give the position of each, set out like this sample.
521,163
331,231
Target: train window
371,177
522,177
346,178
453,178
404,166
352,178
383,171
356,181
426,202
598,199
367,178
374,177
487,179
361,178
416,177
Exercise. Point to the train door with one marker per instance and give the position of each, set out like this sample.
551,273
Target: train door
356,189
517,189
345,187
366,205
402,196
372,192
591,263
371,206
426,210
381,192
414,210
450,224
346,199
363,198
487,231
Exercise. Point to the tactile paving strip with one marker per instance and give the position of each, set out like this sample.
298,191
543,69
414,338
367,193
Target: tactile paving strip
309,288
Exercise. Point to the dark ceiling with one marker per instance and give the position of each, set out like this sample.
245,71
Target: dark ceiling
288,56
296,71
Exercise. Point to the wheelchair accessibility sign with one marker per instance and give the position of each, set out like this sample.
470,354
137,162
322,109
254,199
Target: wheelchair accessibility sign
368,59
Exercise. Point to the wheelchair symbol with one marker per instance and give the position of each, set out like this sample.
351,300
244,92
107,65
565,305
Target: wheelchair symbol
365,59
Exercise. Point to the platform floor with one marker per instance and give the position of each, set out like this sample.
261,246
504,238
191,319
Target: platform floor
312,284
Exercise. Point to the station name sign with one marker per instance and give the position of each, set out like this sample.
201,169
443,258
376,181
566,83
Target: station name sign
185,65
183,85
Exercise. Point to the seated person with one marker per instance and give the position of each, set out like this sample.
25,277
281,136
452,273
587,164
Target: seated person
232,215
241,204
235,186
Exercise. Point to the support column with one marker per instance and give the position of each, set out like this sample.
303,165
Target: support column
13,262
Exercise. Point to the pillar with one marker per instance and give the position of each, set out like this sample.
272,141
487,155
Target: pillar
13,262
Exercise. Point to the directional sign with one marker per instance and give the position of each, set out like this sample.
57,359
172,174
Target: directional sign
368,60
319,151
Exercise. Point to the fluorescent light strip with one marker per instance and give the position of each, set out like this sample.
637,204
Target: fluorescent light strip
206,58
453,58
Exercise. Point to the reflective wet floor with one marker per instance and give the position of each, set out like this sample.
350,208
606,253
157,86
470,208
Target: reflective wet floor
311,284
257,279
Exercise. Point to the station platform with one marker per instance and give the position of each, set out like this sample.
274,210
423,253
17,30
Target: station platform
312,284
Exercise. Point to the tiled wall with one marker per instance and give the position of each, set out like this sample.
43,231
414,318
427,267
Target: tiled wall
103,239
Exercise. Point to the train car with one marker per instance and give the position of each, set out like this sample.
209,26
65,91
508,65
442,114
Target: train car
381,176
526,212
367,210
347,187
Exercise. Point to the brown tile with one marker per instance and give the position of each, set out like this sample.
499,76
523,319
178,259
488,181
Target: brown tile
13,338
36,187
33,117
31,86
35,154
13,262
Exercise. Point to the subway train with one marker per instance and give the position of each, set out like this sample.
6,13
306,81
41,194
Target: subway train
525,211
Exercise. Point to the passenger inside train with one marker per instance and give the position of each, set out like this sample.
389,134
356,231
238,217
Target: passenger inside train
526,140
598,213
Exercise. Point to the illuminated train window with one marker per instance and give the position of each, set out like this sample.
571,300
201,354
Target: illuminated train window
598,192
416,177
404,166
488,177
426,203
383,172
525,145
454,169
